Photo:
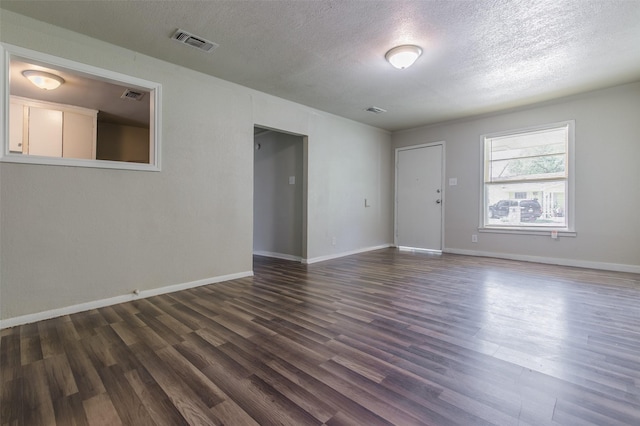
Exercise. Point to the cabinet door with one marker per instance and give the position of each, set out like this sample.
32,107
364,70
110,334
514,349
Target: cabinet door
79,136
16,127
45,132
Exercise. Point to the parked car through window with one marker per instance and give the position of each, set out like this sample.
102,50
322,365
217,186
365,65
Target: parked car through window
530,210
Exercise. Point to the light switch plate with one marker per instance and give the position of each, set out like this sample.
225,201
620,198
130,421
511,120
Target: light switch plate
292,180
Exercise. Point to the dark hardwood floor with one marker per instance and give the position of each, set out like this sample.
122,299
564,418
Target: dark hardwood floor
373,339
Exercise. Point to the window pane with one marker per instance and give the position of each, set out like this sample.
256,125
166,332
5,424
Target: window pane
534,155
543,206
542,167
551,141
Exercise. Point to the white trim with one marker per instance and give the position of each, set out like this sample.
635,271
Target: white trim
39,316
419,250
76,162
538,231
277,255
442,187
345,253
617,267
155,125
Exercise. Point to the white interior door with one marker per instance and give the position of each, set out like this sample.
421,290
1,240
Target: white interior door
419,197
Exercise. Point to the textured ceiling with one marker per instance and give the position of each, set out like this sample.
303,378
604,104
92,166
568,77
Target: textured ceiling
479,56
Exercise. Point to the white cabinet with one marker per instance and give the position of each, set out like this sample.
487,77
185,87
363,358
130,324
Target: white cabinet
45,132
16,124
77,129
52,130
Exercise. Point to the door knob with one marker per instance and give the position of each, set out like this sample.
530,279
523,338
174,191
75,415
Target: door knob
438,201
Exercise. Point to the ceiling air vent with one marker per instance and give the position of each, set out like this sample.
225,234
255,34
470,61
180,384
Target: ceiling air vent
132,94
375,110
198,42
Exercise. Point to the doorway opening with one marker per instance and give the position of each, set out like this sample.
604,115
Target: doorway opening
279,194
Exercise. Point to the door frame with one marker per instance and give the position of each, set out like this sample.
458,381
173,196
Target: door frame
304,182
443,197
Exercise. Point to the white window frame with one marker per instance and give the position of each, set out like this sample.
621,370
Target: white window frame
568,230
7,50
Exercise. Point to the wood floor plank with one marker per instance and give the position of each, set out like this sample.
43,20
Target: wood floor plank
60,377
37,404
30,348
126,332
230,413
186,401
100,411
50,342
12,402
10,358
156,402
70,411
86,377
254,358
208,392
67,331
259,399
130,409
387,404
379,338
109,314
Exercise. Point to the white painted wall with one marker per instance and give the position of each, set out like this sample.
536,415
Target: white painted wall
607,179
72,236
277,204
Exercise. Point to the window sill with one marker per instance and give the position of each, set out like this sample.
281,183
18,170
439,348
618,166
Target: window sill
529,231
76,162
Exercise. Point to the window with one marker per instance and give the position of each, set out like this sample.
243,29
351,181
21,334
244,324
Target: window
528,180
91,117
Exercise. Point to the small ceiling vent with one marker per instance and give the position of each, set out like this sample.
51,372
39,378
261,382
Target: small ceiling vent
375,110
198,42
132,94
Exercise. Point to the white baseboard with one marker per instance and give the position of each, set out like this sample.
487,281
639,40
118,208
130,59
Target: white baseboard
39,316
618,267
343,254
278,255
418,250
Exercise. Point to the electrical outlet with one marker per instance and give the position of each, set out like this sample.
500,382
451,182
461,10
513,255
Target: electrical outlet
474,238
333,241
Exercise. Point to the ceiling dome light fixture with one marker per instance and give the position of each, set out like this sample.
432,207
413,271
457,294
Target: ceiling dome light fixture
403,56
43,80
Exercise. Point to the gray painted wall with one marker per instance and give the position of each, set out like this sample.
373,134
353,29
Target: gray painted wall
277,205
347,163
73,236
607,178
